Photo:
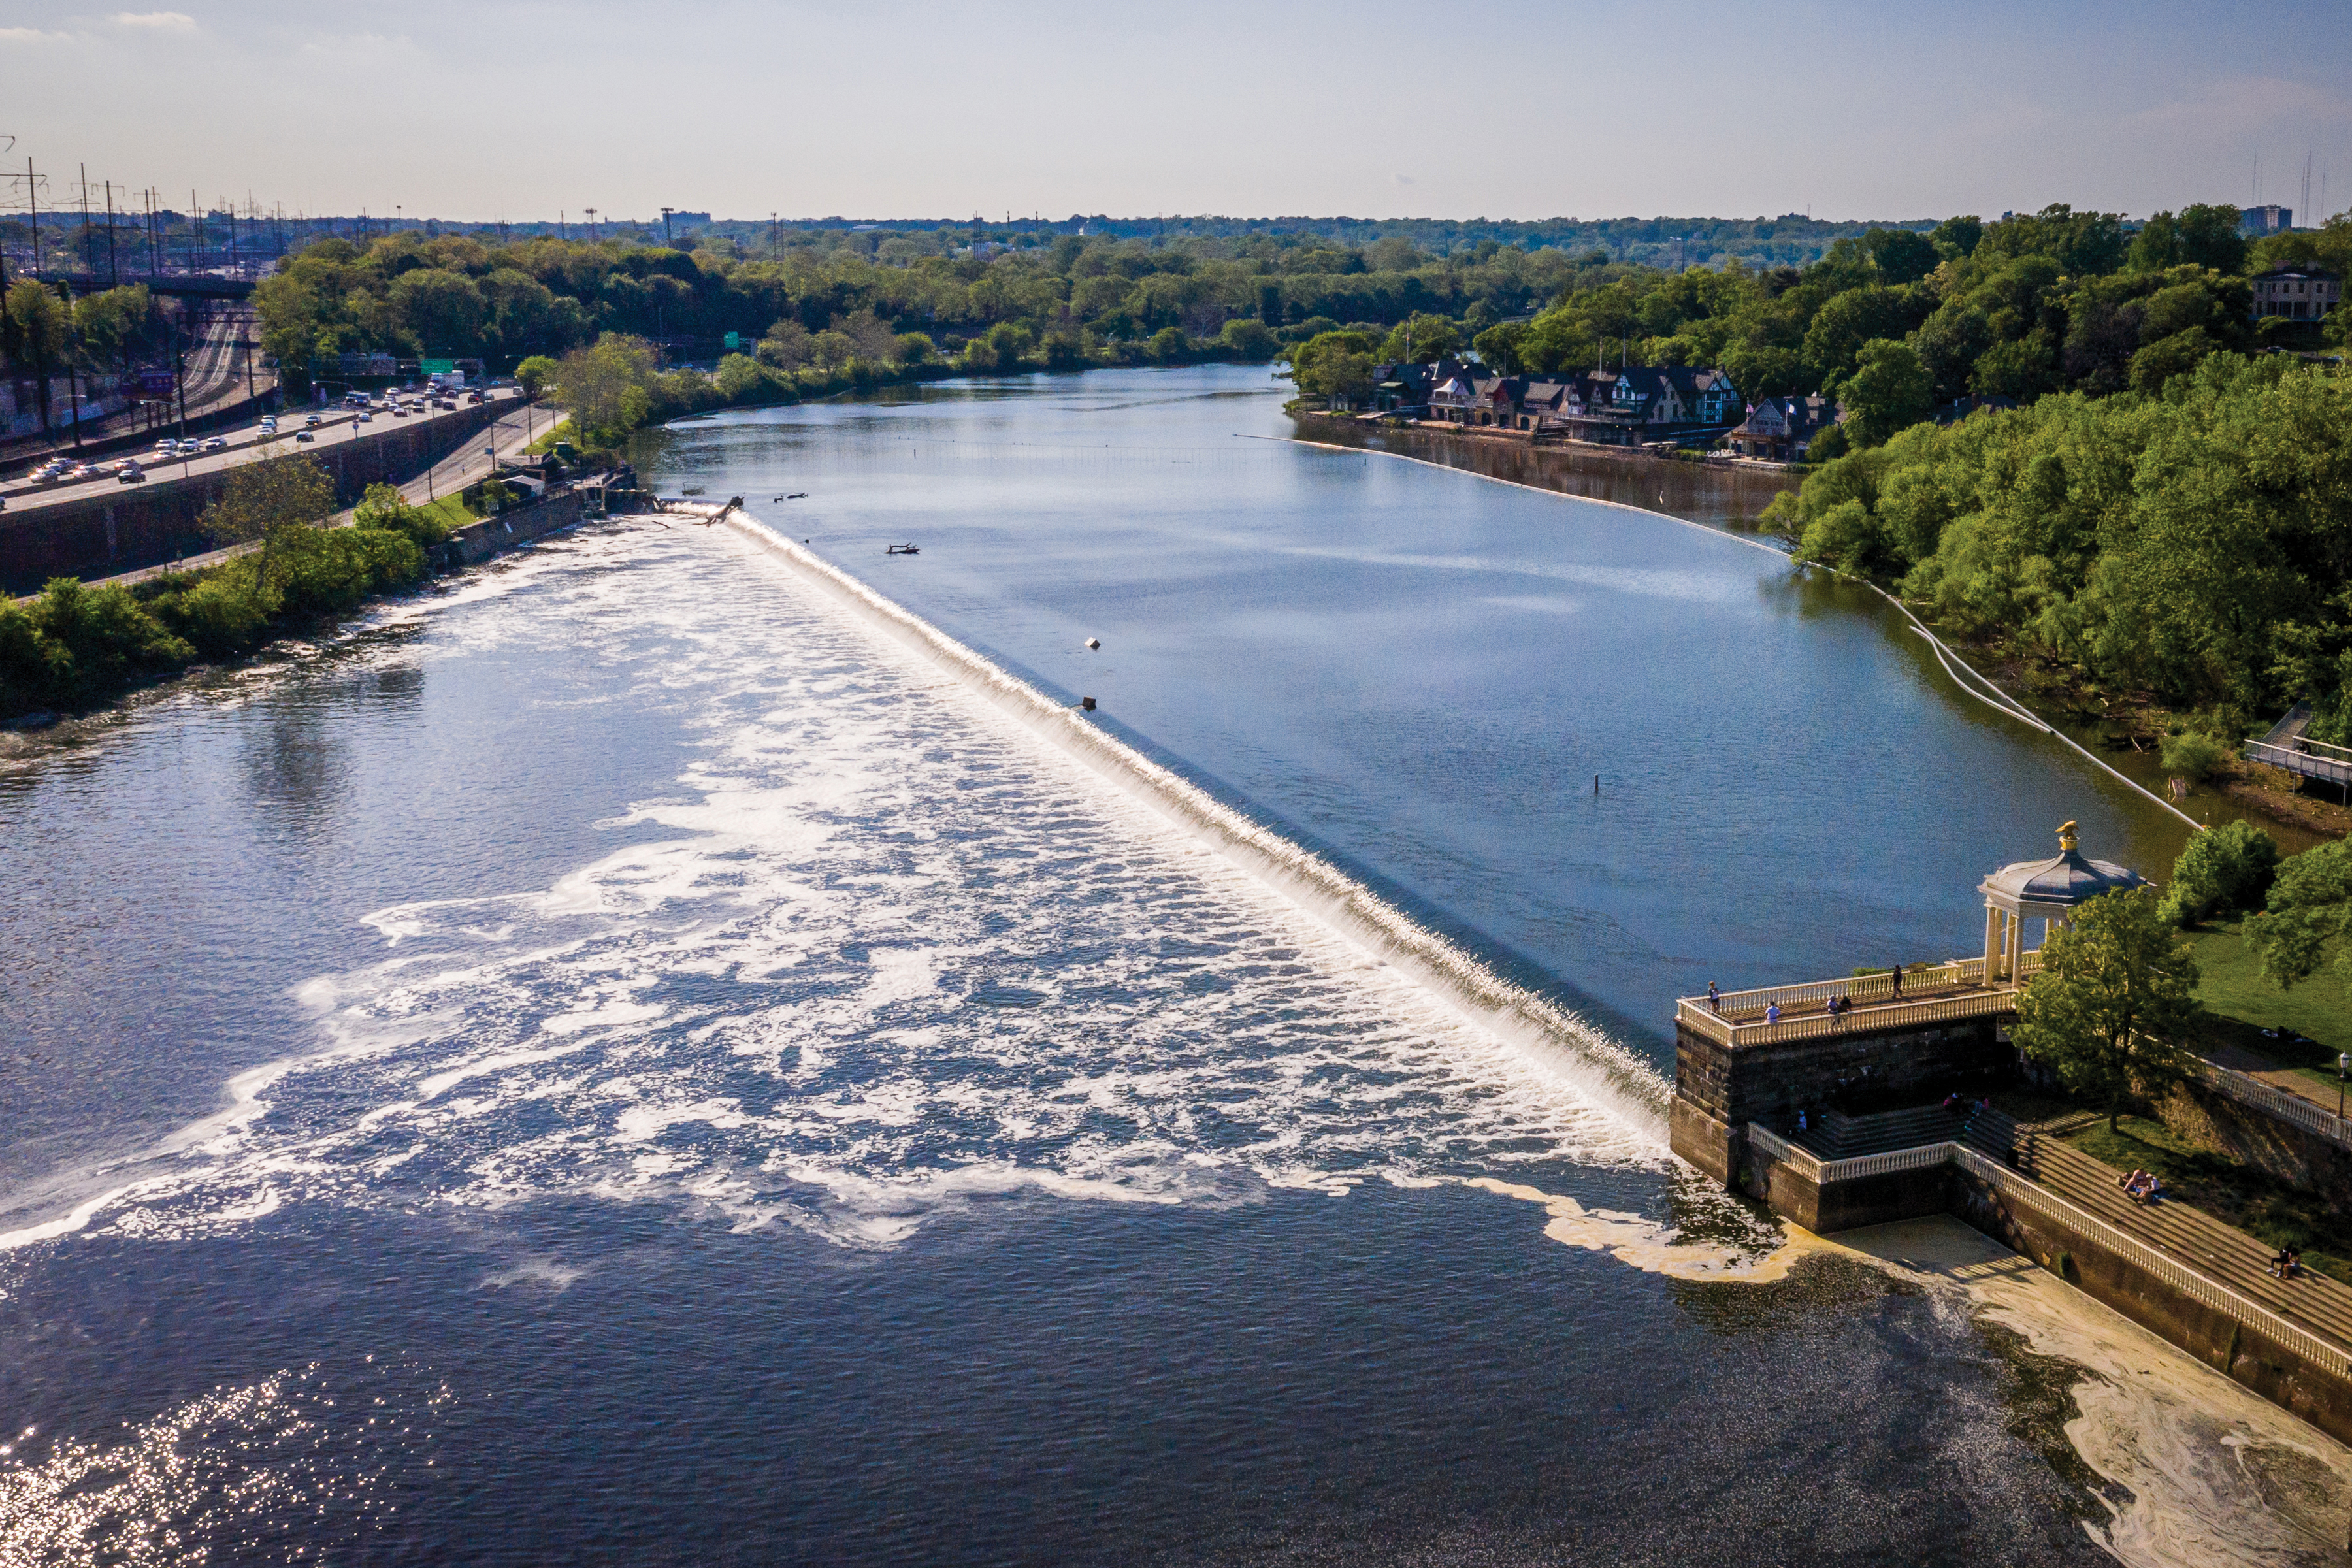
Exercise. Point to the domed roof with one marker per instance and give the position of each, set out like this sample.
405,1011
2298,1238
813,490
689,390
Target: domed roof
2067,879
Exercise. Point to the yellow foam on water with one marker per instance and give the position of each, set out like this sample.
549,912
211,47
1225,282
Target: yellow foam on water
2202,1471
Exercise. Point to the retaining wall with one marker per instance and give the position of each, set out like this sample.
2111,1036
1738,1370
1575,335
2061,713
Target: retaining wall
2319,1394
480,541
156,522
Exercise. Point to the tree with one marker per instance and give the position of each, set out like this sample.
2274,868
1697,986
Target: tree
536,374
37,325
270,502
2310,913
787,346
1168,346
113,322
2223,869
1902,255
2192,754
1419,339
1890,390
441,312
738,377
1957,237
607,388
1250,341
385,508
1334,365
917,348
830,349
2115,992
1499,346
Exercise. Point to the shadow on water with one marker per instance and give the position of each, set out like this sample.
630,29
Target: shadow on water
1716,494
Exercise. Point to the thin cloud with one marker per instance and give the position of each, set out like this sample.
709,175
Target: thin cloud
32,36
157,21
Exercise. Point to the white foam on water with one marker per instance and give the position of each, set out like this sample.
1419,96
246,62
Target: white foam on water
882,953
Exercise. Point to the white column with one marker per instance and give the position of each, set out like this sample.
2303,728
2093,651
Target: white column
1992,940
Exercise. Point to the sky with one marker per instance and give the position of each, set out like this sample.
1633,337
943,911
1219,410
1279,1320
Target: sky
495,109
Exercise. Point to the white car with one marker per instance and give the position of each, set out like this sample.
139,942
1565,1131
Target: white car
365,418
212,444
168,445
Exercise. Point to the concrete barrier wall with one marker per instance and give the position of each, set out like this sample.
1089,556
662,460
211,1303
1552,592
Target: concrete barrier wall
2296,1155
480,541
2316,1393
156,522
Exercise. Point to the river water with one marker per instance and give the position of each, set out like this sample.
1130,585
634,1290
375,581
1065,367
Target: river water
640,1056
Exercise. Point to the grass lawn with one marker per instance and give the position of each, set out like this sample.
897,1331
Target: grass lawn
2230,984
450,511
2260,1205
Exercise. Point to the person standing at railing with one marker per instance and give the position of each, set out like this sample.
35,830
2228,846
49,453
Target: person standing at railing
1896,979
1773,1012
1714,999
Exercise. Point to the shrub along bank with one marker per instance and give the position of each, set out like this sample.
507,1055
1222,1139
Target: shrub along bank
2191,544
75,645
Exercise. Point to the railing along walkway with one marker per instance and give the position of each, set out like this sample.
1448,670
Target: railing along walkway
2273,1100
2212,1263
1928,994
2191,1237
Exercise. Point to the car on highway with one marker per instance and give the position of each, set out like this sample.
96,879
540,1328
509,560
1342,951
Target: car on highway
364,418
130,474
312,422
304,436
212,444
168,445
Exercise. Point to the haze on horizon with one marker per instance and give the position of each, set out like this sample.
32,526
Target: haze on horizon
505,109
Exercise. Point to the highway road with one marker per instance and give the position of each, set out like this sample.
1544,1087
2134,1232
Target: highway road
244,445
513,431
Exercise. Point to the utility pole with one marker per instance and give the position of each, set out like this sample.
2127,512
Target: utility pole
113,262
195,239
85,222
592,223
775,246
666,211
33,204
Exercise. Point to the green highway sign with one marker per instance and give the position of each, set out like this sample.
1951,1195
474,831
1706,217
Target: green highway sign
734,340
438,366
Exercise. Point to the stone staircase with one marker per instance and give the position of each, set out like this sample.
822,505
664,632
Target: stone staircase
2220,1252
1841,1137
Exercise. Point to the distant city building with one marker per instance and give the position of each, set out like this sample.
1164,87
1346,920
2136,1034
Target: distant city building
2271,219
2298,293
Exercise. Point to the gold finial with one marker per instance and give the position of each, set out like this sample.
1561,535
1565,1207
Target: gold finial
2066,835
